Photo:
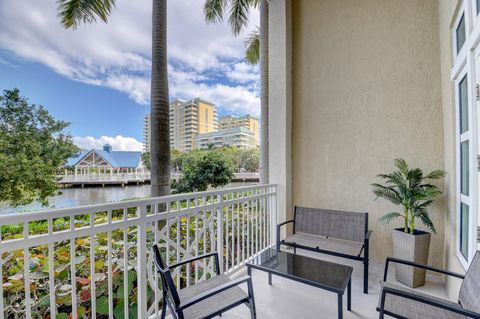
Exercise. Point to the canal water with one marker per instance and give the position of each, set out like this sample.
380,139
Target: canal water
70,197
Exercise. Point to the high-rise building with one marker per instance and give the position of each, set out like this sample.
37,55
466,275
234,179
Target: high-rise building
240,137
147,133
247,121
187,120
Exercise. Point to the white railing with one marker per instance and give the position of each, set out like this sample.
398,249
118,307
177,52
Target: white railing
117,177
95,261
132,177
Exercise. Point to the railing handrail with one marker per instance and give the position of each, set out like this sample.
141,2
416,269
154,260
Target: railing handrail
20,217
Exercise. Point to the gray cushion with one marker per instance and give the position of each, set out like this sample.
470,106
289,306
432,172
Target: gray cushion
331,223
417,310
471,286
352,248
212,304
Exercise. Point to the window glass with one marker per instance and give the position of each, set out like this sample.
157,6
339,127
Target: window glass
464,230
461,33
464,168
463,93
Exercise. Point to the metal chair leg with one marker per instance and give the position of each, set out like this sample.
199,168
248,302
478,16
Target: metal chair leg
251,300
253,311
164,308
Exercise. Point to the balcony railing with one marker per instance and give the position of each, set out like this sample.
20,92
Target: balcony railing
95,261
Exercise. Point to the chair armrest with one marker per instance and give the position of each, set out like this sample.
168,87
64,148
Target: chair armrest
413,264
215,254
433,302
278,231
214,291
368,234
286,222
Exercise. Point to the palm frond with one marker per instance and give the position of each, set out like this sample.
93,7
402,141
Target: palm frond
425,218
389,217
214,10
74,12
238,18
252,47
388,193
436,174
401,165
254,3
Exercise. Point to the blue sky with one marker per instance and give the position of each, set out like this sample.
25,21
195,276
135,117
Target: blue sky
97,77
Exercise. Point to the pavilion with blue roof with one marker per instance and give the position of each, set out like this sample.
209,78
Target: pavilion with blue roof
105,164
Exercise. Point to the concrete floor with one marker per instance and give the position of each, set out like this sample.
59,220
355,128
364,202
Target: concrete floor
289,299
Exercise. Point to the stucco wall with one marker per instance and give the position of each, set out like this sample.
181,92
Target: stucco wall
366,90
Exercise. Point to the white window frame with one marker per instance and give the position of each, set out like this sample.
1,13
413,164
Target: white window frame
465,64
475,15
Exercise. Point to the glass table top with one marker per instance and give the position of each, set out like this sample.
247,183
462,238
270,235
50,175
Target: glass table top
301,268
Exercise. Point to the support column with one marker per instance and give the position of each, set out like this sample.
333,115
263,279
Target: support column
280,96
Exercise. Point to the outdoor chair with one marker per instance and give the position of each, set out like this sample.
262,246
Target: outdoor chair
402,302
206,299
333,232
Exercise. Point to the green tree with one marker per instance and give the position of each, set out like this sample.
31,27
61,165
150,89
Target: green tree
207,169
256,52
72,13
176,159
146,160
249,160
33,146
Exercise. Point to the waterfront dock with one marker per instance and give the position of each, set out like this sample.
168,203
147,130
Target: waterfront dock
104,180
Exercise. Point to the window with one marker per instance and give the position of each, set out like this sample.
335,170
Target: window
464,230
463,96
465,74
466,195
461,33
464,170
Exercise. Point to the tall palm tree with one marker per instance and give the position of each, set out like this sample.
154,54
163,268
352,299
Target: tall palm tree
256,51
72,13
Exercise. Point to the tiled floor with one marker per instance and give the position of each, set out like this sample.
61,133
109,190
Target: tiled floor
288,299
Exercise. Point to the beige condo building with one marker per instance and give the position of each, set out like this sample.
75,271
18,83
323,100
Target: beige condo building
187,120
247,121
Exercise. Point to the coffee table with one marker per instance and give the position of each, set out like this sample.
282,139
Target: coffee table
314,272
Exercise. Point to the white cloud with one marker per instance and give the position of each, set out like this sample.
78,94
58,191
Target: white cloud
117,54
243,73
118,143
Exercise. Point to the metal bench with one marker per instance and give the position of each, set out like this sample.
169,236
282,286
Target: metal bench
332,232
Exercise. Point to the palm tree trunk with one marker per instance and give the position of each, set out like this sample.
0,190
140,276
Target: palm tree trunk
264,151
159,103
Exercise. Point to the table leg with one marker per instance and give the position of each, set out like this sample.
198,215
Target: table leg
270,278
249,270
349,295
340,306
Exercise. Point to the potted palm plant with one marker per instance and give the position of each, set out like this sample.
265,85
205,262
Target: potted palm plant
412,191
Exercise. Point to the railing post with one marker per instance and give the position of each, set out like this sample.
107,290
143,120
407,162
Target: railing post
220,231
142,263
273,215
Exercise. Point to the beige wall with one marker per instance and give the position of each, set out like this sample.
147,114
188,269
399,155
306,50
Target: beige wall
366,90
